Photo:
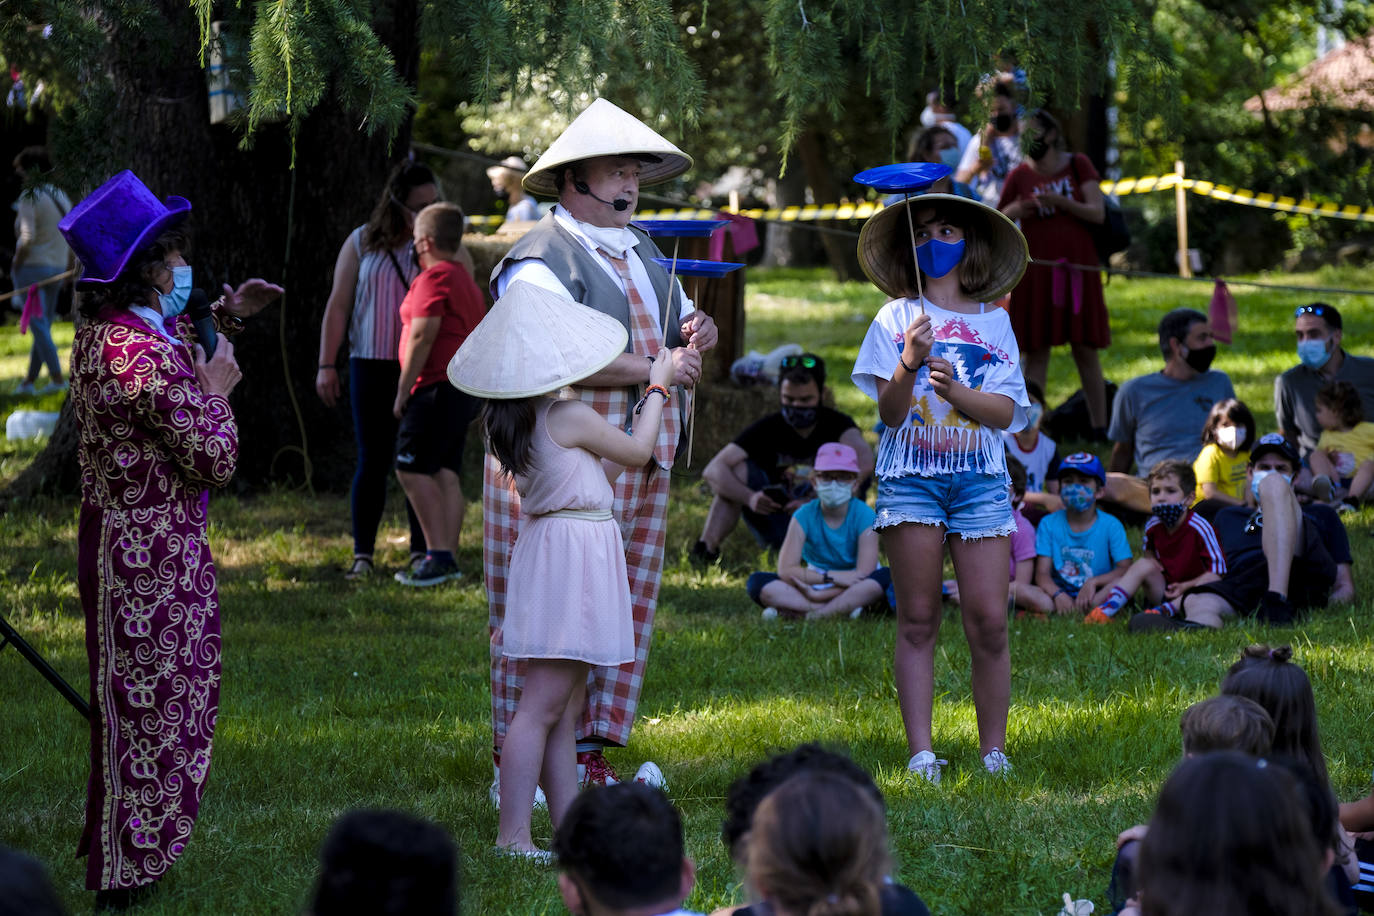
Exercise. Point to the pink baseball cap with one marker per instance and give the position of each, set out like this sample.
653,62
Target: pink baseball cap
836,456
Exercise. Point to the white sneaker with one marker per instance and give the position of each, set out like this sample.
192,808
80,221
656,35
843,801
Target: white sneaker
649,774
994,761
494,794
856,613
927,766
770,613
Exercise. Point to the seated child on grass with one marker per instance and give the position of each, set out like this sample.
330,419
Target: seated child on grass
1181,549
1220,723
1037,453
828,563
1344,455
1025,596
1080,552
1221,465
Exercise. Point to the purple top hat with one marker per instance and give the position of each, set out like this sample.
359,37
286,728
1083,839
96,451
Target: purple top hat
118,220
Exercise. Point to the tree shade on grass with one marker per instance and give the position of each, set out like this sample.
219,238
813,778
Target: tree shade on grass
339,695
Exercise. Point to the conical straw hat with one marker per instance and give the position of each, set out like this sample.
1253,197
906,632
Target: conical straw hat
605,130
877,255
534,342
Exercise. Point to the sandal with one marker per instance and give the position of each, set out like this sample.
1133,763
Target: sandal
361,569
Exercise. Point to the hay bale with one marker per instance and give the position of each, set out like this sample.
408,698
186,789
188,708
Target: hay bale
723,411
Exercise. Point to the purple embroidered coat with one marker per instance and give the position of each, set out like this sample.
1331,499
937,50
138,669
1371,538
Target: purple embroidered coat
151,443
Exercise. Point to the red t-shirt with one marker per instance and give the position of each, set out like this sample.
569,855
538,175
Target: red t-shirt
1187,552
444,291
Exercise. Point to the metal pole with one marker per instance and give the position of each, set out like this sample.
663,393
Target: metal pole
9,637
1185,268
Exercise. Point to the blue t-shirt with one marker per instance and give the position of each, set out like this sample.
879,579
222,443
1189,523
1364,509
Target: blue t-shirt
833,548
1078,556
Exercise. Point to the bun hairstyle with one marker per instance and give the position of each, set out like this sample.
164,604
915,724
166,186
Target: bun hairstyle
1230,836
387,227
818,847
1270,678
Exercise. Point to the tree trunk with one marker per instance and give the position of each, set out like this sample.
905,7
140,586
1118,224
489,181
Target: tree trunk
789,244
841,249
248,207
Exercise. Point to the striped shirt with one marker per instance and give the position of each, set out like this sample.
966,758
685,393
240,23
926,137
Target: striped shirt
374,330
1188,552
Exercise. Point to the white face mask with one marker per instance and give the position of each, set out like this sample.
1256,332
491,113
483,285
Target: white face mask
833,493
613,239
1228,437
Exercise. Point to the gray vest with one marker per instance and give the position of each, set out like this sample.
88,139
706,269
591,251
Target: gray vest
585,278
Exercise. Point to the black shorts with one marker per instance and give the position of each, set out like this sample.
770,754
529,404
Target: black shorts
1308,586
434,429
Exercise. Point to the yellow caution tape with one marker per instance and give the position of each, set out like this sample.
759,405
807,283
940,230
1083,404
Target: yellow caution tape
847,210
1242,196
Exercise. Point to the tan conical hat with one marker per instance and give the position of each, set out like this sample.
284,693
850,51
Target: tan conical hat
534,342
605,130
876,253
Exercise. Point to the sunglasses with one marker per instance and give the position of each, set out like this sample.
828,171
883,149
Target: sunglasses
1310,310
806,361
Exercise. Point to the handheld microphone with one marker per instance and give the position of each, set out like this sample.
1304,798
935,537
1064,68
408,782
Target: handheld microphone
620,203
198,309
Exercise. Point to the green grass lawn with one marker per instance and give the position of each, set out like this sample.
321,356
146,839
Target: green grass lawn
337,695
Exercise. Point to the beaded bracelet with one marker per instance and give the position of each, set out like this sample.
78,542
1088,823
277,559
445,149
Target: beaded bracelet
652,389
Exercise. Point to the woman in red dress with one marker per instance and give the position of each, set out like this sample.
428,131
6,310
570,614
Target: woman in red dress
1055,196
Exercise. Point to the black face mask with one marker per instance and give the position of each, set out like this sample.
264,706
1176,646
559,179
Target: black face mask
799,417
1002,123
1201,358
1037,148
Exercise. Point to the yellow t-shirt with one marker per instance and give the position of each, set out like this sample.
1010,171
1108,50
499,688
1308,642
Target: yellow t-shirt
1349,449
1228,474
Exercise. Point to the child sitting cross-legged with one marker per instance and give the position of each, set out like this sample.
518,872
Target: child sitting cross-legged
828,563
1344,456
1181,549
1080,551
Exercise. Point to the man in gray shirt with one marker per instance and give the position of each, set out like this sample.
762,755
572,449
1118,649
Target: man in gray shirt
1161,415
1321,362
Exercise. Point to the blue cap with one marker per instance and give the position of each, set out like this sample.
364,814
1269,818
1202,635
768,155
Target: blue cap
904,177
1275,443
1082,463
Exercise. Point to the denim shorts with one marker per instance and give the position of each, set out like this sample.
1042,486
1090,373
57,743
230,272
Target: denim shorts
970,504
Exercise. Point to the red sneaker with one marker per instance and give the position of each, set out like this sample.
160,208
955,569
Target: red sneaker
594,770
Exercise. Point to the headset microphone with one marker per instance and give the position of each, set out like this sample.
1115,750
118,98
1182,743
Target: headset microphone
620,204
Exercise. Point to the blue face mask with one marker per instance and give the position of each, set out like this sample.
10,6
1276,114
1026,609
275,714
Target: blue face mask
1033,415
951,157
938,258
1313,353
174,303
1257,476
1077,496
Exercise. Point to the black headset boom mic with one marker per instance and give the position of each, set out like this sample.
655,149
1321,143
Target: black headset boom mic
620,204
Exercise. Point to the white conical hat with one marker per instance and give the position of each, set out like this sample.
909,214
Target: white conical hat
534,342
605,130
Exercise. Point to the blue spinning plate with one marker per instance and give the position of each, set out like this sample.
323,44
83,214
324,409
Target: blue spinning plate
904,177
680,228
689,268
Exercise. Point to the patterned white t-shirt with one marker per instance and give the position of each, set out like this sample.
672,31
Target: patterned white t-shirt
935,438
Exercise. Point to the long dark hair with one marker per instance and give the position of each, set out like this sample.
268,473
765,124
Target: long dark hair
509,425
975,268
1231,836
1271,679
135,281
387,227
